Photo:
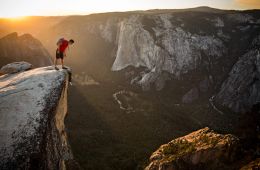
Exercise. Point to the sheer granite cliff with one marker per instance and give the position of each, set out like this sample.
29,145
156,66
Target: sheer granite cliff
241,91
33,105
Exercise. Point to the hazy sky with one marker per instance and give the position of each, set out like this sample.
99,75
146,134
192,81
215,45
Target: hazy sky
12,8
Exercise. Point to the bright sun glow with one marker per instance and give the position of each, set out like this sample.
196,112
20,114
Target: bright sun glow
15,17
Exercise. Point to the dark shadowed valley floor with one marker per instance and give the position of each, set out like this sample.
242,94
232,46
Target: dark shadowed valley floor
103,136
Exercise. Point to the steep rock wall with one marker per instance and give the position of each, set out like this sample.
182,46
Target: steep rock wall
33,105
241,90
162,46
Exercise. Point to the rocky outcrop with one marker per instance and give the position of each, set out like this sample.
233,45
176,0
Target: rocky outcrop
202,149
15,67
84,80
241,90
33,105
254,165
14,48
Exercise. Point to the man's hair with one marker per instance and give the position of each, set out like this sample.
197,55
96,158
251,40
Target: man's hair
71,41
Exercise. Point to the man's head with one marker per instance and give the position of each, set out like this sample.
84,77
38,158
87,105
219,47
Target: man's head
71,41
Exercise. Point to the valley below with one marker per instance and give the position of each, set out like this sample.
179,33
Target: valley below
105,136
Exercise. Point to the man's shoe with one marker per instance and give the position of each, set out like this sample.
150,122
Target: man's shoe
64,67
56,68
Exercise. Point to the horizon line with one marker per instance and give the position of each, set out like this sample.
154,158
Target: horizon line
125,11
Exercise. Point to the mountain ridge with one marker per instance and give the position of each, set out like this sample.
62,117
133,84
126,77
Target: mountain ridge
23,48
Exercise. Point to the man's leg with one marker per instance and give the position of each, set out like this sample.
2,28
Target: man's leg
55,62
62,64
56,58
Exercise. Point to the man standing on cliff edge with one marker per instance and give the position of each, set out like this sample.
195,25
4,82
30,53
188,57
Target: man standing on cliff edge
61,51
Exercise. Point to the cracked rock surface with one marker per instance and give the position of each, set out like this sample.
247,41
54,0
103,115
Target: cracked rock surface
33,105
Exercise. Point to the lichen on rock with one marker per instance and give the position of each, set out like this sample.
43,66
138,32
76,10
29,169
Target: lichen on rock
202,149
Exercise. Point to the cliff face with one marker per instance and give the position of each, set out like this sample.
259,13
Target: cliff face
14,48
162,43
33,105
169,43
241,90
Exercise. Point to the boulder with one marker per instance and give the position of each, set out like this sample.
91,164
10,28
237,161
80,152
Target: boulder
15,67
254,165
202,149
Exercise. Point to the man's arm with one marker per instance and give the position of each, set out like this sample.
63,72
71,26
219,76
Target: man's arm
58,45
65,52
